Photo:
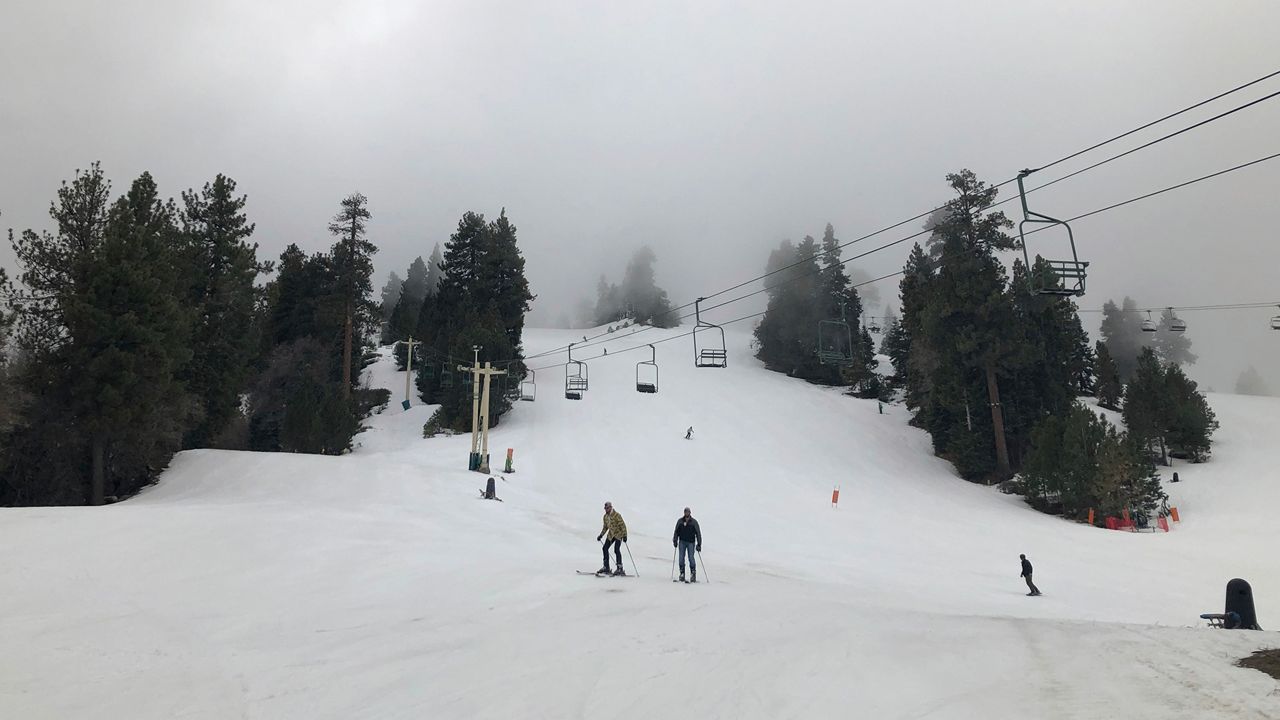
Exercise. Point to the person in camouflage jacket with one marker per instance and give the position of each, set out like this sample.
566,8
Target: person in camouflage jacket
614,532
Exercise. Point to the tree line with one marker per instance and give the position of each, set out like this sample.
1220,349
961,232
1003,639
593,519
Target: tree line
140,326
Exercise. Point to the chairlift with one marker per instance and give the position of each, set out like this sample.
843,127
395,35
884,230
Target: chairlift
711,353
575,377
647,380
835,341
1148,325
1275,321
873,324
1177,324
1069,275
528,388
446,375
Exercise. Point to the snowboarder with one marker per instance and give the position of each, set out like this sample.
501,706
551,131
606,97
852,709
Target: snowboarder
687,539
1026,573
688,434
616,531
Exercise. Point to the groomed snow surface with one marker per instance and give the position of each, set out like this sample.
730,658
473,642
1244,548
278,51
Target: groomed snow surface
379,585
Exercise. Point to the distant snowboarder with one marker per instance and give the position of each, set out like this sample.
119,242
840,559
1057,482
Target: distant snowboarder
688,434
1026,573
686,539
614,532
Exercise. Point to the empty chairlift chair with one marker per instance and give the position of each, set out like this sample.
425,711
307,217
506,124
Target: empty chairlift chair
1068,275
647,373
1176,324
709,349
529,388
575,377
835,342
1149,325
1275,321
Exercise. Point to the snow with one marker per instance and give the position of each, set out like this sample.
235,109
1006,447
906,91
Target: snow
379,585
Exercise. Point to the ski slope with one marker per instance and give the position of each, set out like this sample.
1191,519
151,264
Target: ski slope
378,585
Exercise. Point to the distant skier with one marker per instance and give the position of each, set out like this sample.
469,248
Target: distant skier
1026,573
616,531
688,434
686,539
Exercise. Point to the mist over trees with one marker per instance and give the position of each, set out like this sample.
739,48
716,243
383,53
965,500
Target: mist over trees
1251,383
638,298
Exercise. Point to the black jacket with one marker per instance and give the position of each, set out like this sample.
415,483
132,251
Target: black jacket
687,530
1026,567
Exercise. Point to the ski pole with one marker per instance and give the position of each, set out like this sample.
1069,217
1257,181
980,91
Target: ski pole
673,564
633,560
704,566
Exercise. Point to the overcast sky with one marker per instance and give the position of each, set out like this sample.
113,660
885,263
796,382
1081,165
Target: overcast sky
708,130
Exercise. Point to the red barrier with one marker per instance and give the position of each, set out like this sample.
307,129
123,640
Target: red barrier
1113,524
1164,523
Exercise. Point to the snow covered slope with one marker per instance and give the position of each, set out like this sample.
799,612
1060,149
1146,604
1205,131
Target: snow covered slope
378,585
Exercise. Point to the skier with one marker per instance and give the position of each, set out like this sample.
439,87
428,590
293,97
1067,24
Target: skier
1026,573
616,530
688,434
686,539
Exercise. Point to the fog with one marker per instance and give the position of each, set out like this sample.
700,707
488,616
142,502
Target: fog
709,131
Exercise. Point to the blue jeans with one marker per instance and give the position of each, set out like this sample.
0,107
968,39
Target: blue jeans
686,548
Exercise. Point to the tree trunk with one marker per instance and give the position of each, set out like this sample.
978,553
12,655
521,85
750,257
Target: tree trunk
97,486
997,423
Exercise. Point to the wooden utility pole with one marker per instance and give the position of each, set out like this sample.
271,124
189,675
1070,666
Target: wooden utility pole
479,457
408,373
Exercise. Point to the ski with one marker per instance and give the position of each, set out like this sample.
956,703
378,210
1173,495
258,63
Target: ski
599,574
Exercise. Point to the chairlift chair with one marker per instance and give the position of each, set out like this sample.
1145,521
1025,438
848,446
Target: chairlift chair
528,388
647,380
575,377
711,352
1069,275
1177,324
446,375
1275,321
874,325
1148,325
835,341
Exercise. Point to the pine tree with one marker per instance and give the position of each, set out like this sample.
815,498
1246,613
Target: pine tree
225,268
434,271
391,295
1122,332
1146,405
640,296
353,266
787,336
1251,383
1107,387
970,311
1172,347
1191,422
914,355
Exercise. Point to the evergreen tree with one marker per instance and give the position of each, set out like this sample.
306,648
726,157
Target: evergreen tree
482,299
1191,422
1107,387
1172,347
297,406
1122,332
416,284
1251,383
106,337
225,268
640,295
969,312
609,306
914,356
787,336
353,267
434,271
1146,406
391,295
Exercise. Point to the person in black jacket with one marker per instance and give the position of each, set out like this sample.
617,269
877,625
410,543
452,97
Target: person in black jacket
1026,573
687,539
